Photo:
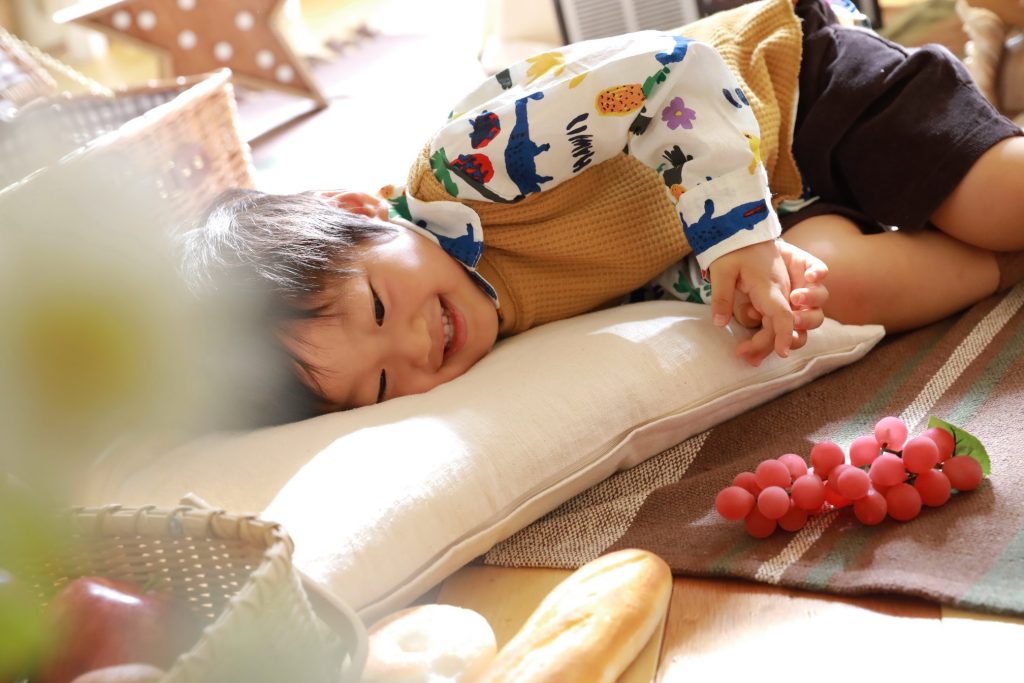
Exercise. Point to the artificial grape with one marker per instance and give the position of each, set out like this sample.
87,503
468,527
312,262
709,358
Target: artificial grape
903,502
746,480
808,492
759,526
832,495
964,472
870,509
773,502
825,455
891,433
794,520
881,489
772,473
934,487
834,475
864,450
796,465
835,498
943,441
887,470
734,502
920,454
853,483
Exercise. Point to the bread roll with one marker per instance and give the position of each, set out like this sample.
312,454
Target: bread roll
591,626
429,644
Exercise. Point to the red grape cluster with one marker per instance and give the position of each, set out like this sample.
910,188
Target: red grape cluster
886,475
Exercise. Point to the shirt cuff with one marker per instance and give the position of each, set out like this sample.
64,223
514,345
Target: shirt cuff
728,213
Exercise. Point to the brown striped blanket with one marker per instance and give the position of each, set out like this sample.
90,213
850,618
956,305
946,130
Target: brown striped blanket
968,370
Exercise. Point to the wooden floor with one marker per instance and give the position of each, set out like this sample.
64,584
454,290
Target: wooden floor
725,630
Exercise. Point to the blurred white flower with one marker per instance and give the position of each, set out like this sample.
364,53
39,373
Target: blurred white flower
99,336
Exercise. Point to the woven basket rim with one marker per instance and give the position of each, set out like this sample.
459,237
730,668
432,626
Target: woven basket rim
194,519
189,519
189,92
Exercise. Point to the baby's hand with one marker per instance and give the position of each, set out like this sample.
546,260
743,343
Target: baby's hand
807,275
360,203
775,286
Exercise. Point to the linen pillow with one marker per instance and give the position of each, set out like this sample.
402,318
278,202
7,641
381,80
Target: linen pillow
384,502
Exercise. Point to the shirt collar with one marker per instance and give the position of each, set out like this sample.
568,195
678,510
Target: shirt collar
453,226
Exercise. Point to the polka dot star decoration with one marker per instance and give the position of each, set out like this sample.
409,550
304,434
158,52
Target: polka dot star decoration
199,36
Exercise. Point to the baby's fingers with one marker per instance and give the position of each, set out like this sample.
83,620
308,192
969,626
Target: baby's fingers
816,270
758,347
723,291
744,311
808,320
778,317
813,296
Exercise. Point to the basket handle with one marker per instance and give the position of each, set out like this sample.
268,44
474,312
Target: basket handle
334,612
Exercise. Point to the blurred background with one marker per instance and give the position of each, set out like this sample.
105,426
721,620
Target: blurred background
392,66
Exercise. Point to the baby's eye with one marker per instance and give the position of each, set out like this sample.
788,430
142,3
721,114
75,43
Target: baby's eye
383,386
378,309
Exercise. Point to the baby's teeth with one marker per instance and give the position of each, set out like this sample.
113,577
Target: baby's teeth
447,321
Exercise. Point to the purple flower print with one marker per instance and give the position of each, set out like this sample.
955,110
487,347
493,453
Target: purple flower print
677,114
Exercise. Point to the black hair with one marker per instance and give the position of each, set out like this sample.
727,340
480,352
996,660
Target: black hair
271,255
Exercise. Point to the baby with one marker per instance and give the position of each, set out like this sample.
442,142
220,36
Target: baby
524,209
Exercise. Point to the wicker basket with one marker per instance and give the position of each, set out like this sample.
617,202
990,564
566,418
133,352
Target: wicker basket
235,573
181,136
22,80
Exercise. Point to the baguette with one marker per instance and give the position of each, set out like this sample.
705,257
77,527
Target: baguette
591,626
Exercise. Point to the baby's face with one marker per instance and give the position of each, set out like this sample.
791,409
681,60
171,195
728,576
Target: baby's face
409,320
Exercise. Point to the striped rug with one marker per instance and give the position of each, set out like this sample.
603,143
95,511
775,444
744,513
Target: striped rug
968,370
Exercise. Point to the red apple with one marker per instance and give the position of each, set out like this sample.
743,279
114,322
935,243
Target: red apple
103,622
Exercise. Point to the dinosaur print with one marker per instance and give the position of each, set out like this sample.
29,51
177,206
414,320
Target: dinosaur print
709,230
676,54
504,79
521,152
485,127
464,247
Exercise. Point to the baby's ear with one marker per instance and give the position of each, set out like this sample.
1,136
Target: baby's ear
357,202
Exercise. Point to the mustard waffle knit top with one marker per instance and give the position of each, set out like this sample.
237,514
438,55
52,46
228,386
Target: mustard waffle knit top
588,241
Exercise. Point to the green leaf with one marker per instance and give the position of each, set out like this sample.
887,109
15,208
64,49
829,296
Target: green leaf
400,208
439,163
965,443
648,86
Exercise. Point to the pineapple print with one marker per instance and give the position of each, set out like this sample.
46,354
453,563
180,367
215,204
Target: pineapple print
620,100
